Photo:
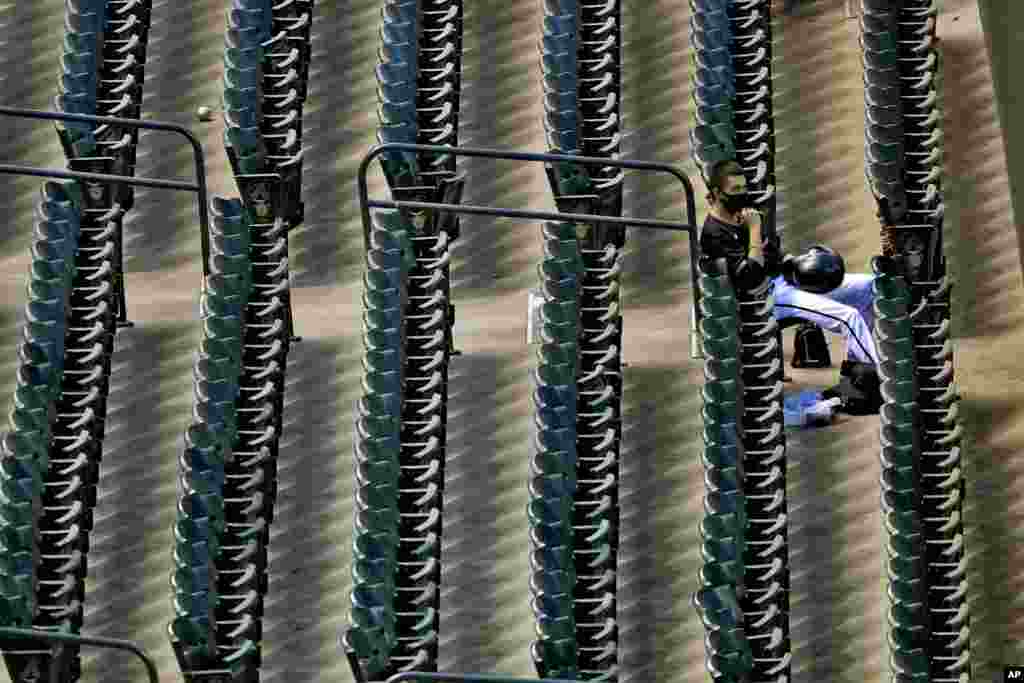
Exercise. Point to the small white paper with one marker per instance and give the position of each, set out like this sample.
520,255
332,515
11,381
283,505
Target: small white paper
533,320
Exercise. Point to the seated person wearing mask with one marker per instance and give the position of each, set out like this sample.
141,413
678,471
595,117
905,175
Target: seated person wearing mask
732,231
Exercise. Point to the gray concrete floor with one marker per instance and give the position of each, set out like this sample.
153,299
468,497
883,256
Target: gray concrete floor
835,529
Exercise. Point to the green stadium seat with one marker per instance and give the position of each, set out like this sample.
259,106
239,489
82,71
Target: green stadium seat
379,472
730,643
880,60
545,536
908,591
236,267
894,330
28,422
561,272
723,307
560,312
719,328
722,526
722,369
721,573
223,327
384,281
221,349
911,665
725,480
17,444
383,319
721,456
559,231
555,387
717,605
379,426
559,334
721,391
558,354
543,513
907,639
377,497
368,646
381,403
891,288
890,309
378,521
551,558
715,137
898,392
390,259
557,657
383,383
231,245
561,440
556,628
900,479
720,421
900,433
552,462
566,254
219,307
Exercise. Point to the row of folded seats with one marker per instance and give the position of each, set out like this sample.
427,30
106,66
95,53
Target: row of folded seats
723,528
105,48
904,155
409,342
903,146
581,73
742,406
580,64
48,480
232,447
922,484
732,49
439,87
103,71
228,471
419,88
553,466
266,75
572,495
393,617
73,295
731,42
599,380
922,489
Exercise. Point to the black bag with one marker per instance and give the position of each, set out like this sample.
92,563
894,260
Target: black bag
859,388
810,348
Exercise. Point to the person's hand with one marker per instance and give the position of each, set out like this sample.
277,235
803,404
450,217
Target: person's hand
753,220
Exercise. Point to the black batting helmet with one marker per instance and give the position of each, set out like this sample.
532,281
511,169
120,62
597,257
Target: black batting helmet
818,270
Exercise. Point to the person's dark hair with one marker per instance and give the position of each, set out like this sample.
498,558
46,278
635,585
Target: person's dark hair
719,171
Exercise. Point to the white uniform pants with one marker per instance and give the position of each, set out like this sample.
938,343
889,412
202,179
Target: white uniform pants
846,310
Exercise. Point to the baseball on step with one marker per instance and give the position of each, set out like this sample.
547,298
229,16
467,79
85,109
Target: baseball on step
204,114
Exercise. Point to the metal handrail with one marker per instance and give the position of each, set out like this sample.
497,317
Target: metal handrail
199,157
411,676
690,227
95,641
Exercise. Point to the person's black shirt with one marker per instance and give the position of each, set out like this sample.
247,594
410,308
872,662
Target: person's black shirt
721,240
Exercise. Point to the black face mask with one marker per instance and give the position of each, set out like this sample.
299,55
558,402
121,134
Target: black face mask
734,203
